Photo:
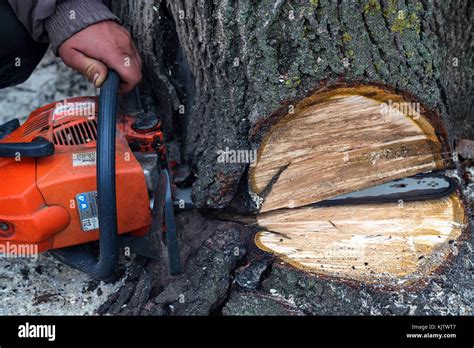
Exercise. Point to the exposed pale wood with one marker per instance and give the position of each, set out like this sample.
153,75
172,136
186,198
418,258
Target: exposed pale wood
340,141
372,243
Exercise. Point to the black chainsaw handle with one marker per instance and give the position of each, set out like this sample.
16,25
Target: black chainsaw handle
106,190
103,267
39,147
27,150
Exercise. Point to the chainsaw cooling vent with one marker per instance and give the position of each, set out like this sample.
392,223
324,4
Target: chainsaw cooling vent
38,124
75,133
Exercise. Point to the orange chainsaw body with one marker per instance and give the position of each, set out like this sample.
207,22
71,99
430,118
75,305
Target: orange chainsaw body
39,197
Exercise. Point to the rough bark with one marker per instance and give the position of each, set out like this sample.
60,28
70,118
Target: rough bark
216,71
211,250
451,23
232,63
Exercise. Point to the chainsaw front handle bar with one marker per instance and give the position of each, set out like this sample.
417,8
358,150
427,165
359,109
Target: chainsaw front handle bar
103,267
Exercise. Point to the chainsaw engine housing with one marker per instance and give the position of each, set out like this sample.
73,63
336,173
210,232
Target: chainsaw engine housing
49,202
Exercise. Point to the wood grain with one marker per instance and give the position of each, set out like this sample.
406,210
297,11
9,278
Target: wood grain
373,243
343,141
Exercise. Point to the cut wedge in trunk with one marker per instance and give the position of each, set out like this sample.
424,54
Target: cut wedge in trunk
344,140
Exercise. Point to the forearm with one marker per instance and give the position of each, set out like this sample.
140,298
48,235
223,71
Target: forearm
72,16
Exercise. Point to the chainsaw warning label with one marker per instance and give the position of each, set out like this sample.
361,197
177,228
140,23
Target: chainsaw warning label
84,159
87,206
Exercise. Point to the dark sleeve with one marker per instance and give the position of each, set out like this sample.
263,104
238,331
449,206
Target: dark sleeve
32,13
71,16
58,20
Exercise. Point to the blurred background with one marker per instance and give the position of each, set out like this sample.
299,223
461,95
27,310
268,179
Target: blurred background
51,81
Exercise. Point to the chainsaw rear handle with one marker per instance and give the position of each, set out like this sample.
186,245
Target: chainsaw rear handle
34,149
39,147
105,265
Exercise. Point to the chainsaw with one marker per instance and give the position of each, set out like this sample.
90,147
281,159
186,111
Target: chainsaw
79,171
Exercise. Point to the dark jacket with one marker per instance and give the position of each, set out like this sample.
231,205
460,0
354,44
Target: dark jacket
58,20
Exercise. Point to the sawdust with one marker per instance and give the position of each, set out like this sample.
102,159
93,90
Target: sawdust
48,287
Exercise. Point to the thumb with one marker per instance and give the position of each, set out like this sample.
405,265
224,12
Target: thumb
93,69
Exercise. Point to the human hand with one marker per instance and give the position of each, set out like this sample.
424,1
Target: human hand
100,46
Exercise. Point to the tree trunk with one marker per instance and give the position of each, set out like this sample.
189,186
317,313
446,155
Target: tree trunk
229,76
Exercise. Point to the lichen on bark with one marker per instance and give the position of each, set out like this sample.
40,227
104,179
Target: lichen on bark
242,59
232,63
